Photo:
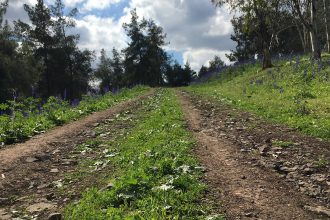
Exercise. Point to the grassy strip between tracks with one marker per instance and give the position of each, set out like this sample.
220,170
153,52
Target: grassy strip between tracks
157,176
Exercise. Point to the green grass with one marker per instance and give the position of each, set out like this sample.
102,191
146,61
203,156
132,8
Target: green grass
283,144
296,95
19,127
157,177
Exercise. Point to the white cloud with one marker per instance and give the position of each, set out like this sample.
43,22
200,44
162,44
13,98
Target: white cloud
195,28
97,33
199,57
89,5
72,3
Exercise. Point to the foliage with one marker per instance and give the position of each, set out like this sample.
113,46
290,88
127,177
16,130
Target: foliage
29,118
177,76
65,70
144,57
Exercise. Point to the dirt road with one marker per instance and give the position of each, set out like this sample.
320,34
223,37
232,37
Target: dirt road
246,190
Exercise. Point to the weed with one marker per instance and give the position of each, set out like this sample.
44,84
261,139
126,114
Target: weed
283,144
156,177
322,162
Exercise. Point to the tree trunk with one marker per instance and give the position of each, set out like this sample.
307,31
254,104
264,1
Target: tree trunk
306,40
316,50
267,58
303,42
326,25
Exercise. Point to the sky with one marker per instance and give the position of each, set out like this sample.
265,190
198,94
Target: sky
196,30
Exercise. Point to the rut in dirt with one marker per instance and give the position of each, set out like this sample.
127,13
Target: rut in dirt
243,188
31,172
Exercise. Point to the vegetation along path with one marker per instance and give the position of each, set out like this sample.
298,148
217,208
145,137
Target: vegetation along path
138,160
30,171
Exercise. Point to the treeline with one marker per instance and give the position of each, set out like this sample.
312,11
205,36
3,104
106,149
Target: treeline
268,27
143,61
41,59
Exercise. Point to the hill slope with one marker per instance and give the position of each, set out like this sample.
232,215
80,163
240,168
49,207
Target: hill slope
295,92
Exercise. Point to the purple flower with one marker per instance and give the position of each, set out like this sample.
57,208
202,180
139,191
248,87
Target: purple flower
106,89
75,102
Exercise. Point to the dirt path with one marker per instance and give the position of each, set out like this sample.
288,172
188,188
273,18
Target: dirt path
33,174
246,190
57,135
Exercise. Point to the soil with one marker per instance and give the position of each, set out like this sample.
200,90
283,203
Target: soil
248,174
32,173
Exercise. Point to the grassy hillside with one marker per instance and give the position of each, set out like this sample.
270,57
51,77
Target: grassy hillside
295,92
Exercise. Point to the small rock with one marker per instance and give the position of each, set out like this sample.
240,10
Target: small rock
95,124
55,170
43,157
55,216
43,186
39,207
56,151
318,177
108,187
32,185
249,214
31,160
288,169
301,183
263,150
319,210
92,134
50,196
308,171
4,201
69,162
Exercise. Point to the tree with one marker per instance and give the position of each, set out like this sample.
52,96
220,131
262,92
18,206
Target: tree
216,64
156,57
65,47
144,57
57,50
117,68
261,18
135,51
301,7
39,34
178,76
326,22
104,71
18,69
203,71
246,47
